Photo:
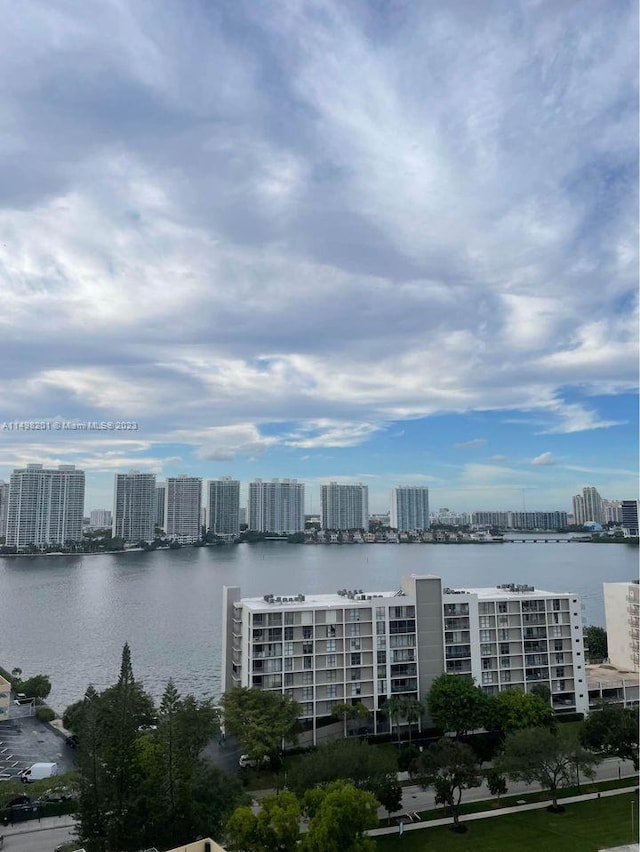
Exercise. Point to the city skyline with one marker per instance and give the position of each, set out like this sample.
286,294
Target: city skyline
397,245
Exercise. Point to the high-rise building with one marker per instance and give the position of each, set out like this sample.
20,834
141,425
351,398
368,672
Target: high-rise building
184,508
134,506
224,507
622,613
630,516
161,500
612,511
45,506
344,507
276,506
100,518
364,647
592,505
410,508
4,506
578,510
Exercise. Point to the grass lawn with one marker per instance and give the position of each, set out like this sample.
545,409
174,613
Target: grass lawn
584,827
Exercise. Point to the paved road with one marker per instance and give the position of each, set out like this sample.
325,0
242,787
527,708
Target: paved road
415,799
38,837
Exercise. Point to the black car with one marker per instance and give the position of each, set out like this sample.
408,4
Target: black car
18,800
72,741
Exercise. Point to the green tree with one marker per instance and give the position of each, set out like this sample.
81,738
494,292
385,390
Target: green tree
449,767
456,704
389,794
339,816
595,644
412,711
261,721
542,691
613,731
350,760
513,710
38,686
275,828
497,783
392,709
549,757
350,712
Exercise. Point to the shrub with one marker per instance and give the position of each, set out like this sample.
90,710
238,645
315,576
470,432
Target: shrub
45,714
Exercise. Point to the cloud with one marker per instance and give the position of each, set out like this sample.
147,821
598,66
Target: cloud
543,459
468,445
497,458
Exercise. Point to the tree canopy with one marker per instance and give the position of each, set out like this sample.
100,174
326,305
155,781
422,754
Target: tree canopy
595,644
260,720
456,704
339,814
449,767
275,828
553,758
613,730
513,710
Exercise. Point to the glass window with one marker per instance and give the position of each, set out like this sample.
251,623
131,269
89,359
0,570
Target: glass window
288,633
331,676
288,649
380,612
331,661
307,632
307,662
307,617
331,644
355,659
307,678
332,690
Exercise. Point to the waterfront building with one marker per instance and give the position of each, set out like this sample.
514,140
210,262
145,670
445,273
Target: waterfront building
521,520
359,646
100,518
410,508
578,510
629,510
134,506
592,505
4,506
612,511
276,506
224,507
46,506
344,507
622,613
183,513
161,501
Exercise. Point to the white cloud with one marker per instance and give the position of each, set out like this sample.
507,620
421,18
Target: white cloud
468,445
543,459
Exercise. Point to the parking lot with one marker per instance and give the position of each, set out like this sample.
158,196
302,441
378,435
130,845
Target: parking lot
26,740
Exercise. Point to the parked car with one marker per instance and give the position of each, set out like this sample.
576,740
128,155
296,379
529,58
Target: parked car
18,800
38,771
247,762
72,741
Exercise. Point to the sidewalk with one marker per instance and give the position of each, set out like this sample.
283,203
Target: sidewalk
432,823
44,824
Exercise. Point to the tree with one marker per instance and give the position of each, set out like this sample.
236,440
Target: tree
449,767
392,709
275,828
542,691
389,794
261,721
38,686
595,644
513,710
348,712
339,816
613,730
548,757
412,711
496,782
350,760
456,704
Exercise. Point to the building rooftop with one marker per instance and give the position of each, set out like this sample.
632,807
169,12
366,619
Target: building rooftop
508,591
350,598
608,675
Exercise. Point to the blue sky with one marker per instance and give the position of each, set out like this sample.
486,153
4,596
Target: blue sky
390,242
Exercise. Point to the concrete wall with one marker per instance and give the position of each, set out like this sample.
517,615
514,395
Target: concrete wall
5,697
619,624
427,592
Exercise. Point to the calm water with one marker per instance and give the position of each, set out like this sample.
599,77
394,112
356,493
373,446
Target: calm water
69,616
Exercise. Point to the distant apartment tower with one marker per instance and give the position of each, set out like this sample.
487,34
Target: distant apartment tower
224,507
410,508
612,511
630,516
184,508
592,505
45,506
622,612
276,506
344,507
161,499
365,647
4,506
521,520
578,510
134,506
100,518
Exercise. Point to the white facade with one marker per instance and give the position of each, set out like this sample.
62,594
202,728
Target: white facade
592,502
134,506
4,506
410,508
224,507
622,611
276,506
357,646
183,509
578,510
161,501
344,507
100,518
45,507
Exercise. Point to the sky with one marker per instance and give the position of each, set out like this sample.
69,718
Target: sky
388,241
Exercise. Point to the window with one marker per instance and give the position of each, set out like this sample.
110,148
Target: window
505,662
289,618
307,647
331,676
331,661
307,678
381,627
353,614
288,680
486,621
331,644
557,644
354,644
502,606
288,633
307,632
354,630
331,630
307,693
288,664
307,662
485,635
307,709
556,603
503,634
379,612
355,659
332,691
355,674
485,650
504,648
382,656
382,671
288,649
506,677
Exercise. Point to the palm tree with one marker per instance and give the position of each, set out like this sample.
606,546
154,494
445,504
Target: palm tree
350,711
413,710
393,709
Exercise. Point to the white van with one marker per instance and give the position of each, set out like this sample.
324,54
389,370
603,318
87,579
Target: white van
38,771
